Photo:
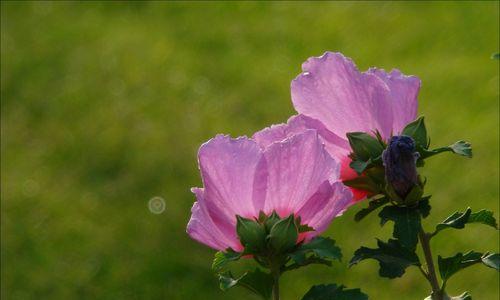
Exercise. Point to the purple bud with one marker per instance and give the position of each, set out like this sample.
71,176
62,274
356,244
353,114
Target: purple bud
400,160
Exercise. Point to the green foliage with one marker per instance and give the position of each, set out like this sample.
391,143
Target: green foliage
372,205
283,235
418,132
257,281
252,235
406,224
318,248
365,146
458,220
451,265
393,258
333,292
221,259
462,148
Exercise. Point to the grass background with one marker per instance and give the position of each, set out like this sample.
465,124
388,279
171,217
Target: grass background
104,105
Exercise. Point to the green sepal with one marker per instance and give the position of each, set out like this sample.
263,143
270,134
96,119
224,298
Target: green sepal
393,258
364,183
451,265
283,235
458,220
271,220
259,282
333,292
372,205
359,165
418,132
462,148
365,146
406,224
318,247
223,258
252,235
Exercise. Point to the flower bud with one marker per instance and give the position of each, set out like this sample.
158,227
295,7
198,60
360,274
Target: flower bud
400,160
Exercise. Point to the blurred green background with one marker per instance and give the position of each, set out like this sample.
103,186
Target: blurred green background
104,105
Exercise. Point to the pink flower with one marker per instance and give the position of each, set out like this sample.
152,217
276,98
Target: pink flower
245,176
333,97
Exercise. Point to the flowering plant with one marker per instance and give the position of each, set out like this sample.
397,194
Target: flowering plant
356,137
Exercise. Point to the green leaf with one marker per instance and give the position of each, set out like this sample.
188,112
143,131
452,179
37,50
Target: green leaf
223,258
257,281
283,235
252,234
364,183
318,247
462,148
364,145
393,258
458,220
333,292
451,265
491,260
418,132
424,207
406,224
372,205
359,166
464,296
495,56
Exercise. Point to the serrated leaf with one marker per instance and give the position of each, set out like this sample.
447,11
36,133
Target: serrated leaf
364,145
424,207
451,265
491,260
257,281
417,131
320,247
462,148
252,234
223,258
333,292
372,205
406,224
458,220
393,258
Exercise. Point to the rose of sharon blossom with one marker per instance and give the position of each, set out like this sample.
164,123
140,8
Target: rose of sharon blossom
245,176
334,97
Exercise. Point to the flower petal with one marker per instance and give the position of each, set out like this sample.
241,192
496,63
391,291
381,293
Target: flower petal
228,167
404,92
330,201
335,145
296,168
332,90
202,228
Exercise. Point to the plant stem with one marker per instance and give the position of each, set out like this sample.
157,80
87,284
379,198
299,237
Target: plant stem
276,285
437,293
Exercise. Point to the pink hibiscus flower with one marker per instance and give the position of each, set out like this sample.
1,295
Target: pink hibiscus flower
244,177
335,98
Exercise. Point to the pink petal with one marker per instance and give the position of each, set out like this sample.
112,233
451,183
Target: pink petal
404,92
330,201
337,147
228,168
202,228
332,90
296,167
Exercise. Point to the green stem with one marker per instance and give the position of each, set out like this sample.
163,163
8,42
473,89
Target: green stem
276,285
437,292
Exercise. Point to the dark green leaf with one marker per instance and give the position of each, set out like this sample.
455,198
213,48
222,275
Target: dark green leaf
393,258
372,205
461,148
406,224
424,207
451,265
223,258
364,145
333,292
283,235
319,247
491,260
364,183
418,132
257,281
458,220
252,234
